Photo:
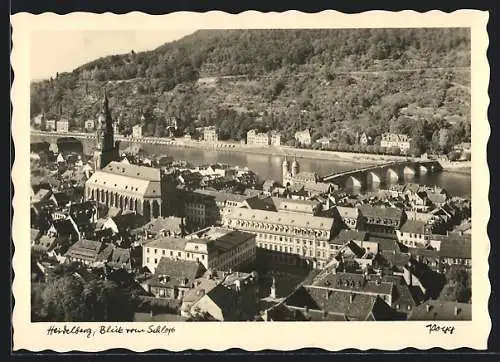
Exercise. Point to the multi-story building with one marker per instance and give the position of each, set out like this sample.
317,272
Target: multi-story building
62,126
382,219
303,137
392,140
89,125
50,125
216,248
291,238
258,138
414,233
351,217
455,249
210,134
137,131
223,203
275,138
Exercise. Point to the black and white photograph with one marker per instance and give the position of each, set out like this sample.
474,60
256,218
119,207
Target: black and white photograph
251,175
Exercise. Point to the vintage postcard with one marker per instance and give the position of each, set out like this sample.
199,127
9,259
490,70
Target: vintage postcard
299,180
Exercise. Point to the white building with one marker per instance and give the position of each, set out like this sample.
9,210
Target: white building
62,126
137,131
210,134
258,139
392,140
303,137
216,248
89,125
275,138
50,124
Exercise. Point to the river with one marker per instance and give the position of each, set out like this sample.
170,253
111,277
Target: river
269,166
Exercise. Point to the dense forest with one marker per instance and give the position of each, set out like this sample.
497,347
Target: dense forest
337,82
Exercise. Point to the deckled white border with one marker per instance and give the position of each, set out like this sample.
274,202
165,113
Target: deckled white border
255,336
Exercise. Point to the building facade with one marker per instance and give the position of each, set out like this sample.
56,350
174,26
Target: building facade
50,125
62,126
215,248
393,140
127,187
210,134
89,125
137,131
258,138
275,138
292,238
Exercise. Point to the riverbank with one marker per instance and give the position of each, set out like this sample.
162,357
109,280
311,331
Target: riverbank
459,167
282,151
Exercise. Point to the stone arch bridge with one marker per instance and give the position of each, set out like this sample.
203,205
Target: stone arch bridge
384,173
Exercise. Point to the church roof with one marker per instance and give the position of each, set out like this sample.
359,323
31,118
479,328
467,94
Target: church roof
128,179
139,172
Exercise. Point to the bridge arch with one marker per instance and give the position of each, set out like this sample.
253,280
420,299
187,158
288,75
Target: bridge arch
372,178
353,182
409,171
391,175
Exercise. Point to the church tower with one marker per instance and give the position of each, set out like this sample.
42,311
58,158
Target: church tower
108,149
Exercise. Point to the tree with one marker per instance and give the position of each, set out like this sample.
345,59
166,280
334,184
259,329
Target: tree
106,302
458,286
62,300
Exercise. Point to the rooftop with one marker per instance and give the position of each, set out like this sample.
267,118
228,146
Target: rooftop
441,311
413,226
345,236
381,212
167,243
303,220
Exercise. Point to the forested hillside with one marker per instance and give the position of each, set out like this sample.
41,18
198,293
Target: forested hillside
338,82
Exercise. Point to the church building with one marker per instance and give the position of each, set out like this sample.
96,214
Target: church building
121,185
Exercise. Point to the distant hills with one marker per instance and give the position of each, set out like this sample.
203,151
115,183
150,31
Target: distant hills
338,82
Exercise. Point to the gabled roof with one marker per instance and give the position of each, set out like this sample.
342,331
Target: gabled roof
159,224
261,203
456,247
224,298
348,212
85,249
441,311
171,272
167,243
343,303
381,212
345,236
413,226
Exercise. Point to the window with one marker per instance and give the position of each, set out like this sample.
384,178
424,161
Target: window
147,260
203,257
147,250
171,253
156,261
163,252
156,251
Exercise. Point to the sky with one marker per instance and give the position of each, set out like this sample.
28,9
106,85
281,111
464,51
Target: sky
63,51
